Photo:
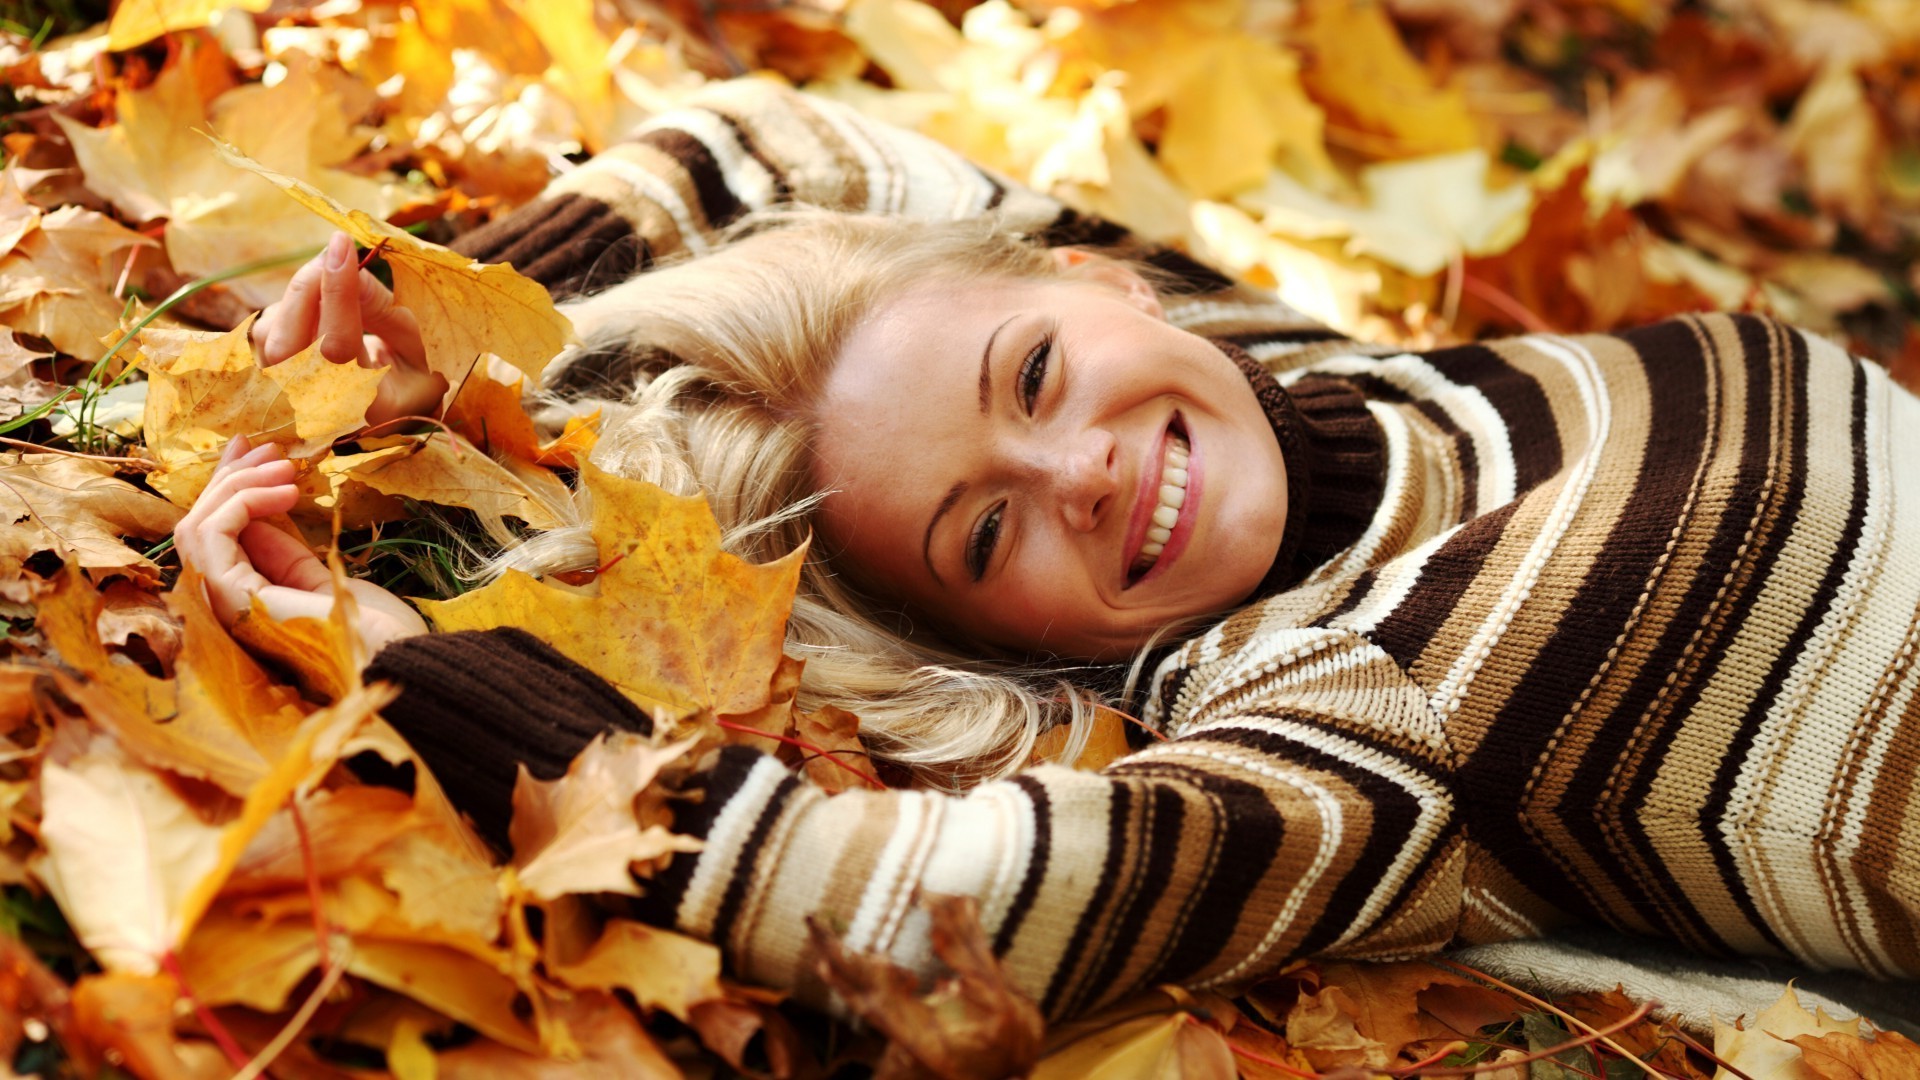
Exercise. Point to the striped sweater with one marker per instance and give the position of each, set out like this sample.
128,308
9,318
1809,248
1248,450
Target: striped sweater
1628,637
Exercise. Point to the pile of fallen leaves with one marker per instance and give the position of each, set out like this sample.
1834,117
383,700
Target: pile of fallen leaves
216,859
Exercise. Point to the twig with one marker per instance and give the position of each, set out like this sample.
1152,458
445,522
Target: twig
1674,1030
1592,1035
221,1036
1574,1021
252,1070
1505,304
143,464
801,744
320,929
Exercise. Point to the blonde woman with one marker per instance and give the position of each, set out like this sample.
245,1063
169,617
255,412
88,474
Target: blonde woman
1445,647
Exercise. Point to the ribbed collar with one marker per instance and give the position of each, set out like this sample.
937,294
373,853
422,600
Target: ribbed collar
1336,458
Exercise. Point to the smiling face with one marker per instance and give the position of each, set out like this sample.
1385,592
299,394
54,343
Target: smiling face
1048,467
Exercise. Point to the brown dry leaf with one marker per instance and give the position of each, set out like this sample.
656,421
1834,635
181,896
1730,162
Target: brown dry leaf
1889,1055
970,1023
1379,99
731,1027
661,969
58,282
608,1041
443,468
129,1020
1766,1045
678,624
131,904
345,826
1325,1027
127,612
466,309
78,509
488,413
578,834
136,22
157,161
1106,742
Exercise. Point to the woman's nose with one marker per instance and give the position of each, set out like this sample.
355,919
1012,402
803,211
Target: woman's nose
1085,481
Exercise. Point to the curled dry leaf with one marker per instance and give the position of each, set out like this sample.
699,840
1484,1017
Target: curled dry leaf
661,969
678,623
970,1024
606,1038
1888,1056
78,509
578,834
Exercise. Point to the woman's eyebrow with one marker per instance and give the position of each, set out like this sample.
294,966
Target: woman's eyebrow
986,373
926,545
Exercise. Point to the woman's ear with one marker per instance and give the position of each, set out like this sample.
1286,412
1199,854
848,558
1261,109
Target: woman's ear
1087,265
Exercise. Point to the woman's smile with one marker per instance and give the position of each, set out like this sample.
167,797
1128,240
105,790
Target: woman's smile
1026,464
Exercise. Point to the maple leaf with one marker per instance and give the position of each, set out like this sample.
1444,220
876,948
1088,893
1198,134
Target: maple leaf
1168,1044
607,1041
1361,71
136,22
1768,1046
58,280
1889,1055
133,904
661,969
578,834
678,624
156,162
972,1023
465,308
78,509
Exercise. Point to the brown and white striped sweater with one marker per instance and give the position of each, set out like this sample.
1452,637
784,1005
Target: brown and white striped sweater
1629,638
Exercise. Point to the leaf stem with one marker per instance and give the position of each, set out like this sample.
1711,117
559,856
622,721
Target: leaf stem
802,744
218,1031
1574,1021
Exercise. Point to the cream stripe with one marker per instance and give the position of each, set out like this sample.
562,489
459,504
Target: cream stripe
650,184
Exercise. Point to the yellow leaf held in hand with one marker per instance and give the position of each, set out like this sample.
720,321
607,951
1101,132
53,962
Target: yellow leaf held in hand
678,624
578,834
328,399
465,308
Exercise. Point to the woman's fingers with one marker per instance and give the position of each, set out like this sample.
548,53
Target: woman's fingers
283,559
340,324
288,326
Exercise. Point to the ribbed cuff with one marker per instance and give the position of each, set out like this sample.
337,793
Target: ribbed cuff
477,704
1336,461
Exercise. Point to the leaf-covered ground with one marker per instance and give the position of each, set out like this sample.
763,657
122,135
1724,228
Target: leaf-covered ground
196,883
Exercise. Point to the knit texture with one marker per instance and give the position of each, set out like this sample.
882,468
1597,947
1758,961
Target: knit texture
477,705
1336,464
1628,638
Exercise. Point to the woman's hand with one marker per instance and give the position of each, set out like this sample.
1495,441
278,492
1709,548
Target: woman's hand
355,320
242,557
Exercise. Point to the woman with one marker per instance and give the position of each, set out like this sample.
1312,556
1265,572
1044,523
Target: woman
1469,643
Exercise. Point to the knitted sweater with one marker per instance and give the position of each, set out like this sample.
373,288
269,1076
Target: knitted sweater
1627,637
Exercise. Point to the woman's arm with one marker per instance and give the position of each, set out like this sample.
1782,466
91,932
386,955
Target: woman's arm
1265,835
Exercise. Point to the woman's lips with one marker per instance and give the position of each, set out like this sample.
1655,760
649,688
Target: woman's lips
1165,506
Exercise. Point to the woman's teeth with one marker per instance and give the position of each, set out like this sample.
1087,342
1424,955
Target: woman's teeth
1173,494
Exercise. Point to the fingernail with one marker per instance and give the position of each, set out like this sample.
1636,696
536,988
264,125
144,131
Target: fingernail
339,252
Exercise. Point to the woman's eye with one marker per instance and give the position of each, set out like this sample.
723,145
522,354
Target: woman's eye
980,545
1033,373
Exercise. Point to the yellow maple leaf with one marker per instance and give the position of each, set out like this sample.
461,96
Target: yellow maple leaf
1361,71
136,22
466,308
678,624
661,969
156,162
328,399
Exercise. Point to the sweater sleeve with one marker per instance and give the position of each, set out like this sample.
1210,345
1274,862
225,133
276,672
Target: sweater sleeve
1265,831
749,144
1272,827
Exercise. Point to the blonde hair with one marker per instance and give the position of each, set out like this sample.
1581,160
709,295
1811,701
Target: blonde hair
729,352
